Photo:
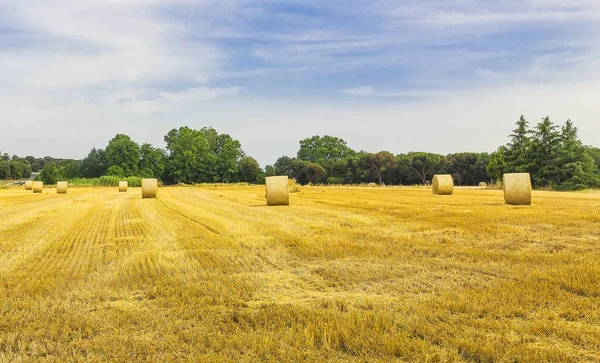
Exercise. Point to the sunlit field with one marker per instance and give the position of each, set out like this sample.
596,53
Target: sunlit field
363,274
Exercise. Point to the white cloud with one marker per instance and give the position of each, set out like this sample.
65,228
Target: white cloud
362,91
199,93
99,44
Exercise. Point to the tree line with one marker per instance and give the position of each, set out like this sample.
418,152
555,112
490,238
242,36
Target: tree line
553,154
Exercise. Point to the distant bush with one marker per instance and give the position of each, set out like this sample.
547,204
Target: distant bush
113,181
133,181
105,181
109,181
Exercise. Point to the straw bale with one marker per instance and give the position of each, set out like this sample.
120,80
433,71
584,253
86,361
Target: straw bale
442,184
277,190
293,186
517,188
38,186
61,187
149,188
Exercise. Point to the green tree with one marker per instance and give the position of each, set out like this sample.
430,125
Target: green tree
270,170
517,154
186,149
71,169
320,150
545,146
594,152
117,171
201,156
382,164
575,167
468,168
227,155
285,165
425,165
94,164
20,168
4,169
249,171
124,153
312,173
36,163
50,173
496,167
152,162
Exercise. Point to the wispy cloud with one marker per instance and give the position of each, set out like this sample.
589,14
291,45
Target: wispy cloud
362,91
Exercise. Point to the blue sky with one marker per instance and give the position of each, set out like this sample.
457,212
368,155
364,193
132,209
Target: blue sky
440,76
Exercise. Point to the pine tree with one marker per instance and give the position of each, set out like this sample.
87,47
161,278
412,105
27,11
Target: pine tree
544,150
517,156
576,167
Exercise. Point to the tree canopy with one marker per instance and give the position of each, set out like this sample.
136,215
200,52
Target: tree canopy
553,155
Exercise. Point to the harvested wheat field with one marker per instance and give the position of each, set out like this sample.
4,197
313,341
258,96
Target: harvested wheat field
357,274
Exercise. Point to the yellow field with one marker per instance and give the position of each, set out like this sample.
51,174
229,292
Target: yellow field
360,274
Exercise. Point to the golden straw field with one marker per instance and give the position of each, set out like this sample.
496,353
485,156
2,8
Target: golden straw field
342,274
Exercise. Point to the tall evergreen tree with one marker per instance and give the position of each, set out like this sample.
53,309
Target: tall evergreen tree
576,168
544,150
517,152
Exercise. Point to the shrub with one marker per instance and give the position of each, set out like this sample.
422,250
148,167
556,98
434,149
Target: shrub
109,181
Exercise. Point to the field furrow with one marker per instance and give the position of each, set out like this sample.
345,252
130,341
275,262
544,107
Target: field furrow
342,274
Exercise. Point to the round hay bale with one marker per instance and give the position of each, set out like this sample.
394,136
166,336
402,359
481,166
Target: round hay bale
123,185
28,184
38,186
517,188
149,188
61,187
483,184
293,186
277,190
442,184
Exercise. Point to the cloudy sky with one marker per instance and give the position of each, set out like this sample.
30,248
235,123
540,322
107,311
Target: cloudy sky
440,76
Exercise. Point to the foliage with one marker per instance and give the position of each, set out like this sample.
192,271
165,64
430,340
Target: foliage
496,167
113,181
14,168
95,164
197,156
249,171
152,161
468,168
381,163
50,174
124,153
555,157
320,150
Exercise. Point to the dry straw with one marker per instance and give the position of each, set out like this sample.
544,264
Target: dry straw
123,185
443,184
277,190
517,189
293,186
28,184
149,188
61,187
38,186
